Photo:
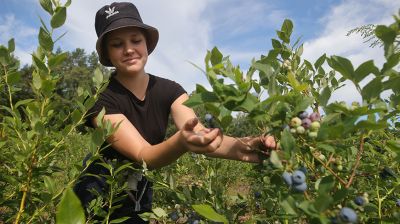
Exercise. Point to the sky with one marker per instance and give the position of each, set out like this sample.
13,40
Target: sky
188,28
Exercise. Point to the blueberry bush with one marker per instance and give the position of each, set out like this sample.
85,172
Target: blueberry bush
335,163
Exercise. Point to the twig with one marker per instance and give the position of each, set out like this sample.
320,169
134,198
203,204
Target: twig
359,153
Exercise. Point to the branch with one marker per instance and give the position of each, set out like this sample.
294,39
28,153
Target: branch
359,153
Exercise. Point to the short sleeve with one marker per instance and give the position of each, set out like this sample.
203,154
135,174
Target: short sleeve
175,91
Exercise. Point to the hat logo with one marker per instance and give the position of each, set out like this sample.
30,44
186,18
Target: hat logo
110,12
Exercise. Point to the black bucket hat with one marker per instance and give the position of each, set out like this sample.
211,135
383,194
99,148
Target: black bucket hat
119,15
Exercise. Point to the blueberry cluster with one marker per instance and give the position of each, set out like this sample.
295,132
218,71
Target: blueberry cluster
306,124
295,180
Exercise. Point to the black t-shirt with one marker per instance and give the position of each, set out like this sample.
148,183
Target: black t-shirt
150,116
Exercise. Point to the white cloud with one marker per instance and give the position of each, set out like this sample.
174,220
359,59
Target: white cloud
11,27
333,40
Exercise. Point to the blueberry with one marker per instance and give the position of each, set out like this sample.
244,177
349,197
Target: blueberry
398,202
315,116
208,117
298,177
359,200
174,216
257,194
287,177
306,123
348,215
302,115
334,220
196,222
300,187
303,169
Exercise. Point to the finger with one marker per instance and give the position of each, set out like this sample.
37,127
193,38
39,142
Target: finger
190,124
270,142
204,139
251,158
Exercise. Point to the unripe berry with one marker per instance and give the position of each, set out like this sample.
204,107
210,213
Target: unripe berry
295,122
287,177
339,167
300,187
315,116
303,115
359,200
315,125
312,134
300,130
348,215
306,123
293,130
298,177
322,157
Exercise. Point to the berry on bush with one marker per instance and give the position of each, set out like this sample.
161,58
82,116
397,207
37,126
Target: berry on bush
312,134
295,122
300,130
300,187
298,177
208,117
287,177
315,116
303,115
306,123
398,202
315,125
359,200
174,216
348,215
303,169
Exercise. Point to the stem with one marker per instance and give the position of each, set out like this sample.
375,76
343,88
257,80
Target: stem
329,169
25,188
359,153
379,201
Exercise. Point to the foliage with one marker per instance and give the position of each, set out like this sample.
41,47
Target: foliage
356,150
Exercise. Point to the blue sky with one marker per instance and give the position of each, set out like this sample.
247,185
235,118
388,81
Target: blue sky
188,28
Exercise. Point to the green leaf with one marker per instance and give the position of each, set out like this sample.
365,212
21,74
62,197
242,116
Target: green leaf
386,34
320,61
57,59
371,125
22,102
283,36
46,5
45,40
49,184
287,27
40,64
343,66
364,70
326,147
11,45
274,159
98,137
326,185
119,220
289,205
372,89
98,77
323,202
216,56
13,77
201,98
159,212
288,142
276,44
394,145
58,19
70,210
392,61
324,97
209,213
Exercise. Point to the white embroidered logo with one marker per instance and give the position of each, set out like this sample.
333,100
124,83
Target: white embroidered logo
110,12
